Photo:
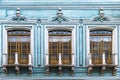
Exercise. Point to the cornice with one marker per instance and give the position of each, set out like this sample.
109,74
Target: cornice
55,5
71,22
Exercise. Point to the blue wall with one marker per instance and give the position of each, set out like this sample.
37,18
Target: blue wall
38,13
60,1
39,30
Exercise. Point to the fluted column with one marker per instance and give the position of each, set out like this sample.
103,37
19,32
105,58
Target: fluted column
103,58
16,57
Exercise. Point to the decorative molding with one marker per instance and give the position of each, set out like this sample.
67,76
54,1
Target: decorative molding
81,21
101,26
80,69
18,17
55,5
60,18
39,21
101,16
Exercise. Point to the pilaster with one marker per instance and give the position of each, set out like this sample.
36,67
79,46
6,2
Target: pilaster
35,46
81,45
77,46
84,45
1,44
118,45
42,46
39,44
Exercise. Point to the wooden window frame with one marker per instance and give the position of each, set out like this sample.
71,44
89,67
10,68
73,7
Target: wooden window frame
18,46
101,45
61,45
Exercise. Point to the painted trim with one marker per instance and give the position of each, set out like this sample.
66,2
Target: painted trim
56,5
108,27
80,44
62,27
11,27
1,45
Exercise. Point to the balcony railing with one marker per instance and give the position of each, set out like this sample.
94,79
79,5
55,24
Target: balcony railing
16,61
103,59
16,58
60,59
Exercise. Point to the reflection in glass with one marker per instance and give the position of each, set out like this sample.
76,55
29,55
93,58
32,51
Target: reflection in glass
60,43
101,42
18,41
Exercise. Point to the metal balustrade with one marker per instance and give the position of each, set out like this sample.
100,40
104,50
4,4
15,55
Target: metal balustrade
24,58
60,58
16,58
103,59
17,61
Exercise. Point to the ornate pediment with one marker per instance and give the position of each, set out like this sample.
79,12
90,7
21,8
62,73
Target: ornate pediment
59,17
101,17
18,17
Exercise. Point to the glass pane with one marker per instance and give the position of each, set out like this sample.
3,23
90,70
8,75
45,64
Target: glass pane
101,32
60,42
53,38
12,38
65,38
18,32
19,41
101,42
24,39
59,32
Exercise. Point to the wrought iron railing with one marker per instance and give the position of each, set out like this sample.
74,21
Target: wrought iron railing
96,59
23,58
108,58
15,58
11,58
60,58
63,56
53,56
102,58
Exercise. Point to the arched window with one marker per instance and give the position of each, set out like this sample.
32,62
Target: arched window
59,43
18,42
101,42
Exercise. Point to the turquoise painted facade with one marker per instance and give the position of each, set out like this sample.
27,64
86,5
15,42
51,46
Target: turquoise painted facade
80,15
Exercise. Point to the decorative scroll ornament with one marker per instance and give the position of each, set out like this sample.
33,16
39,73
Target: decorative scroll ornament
81,21
39,22
59,17
18,17
101,16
